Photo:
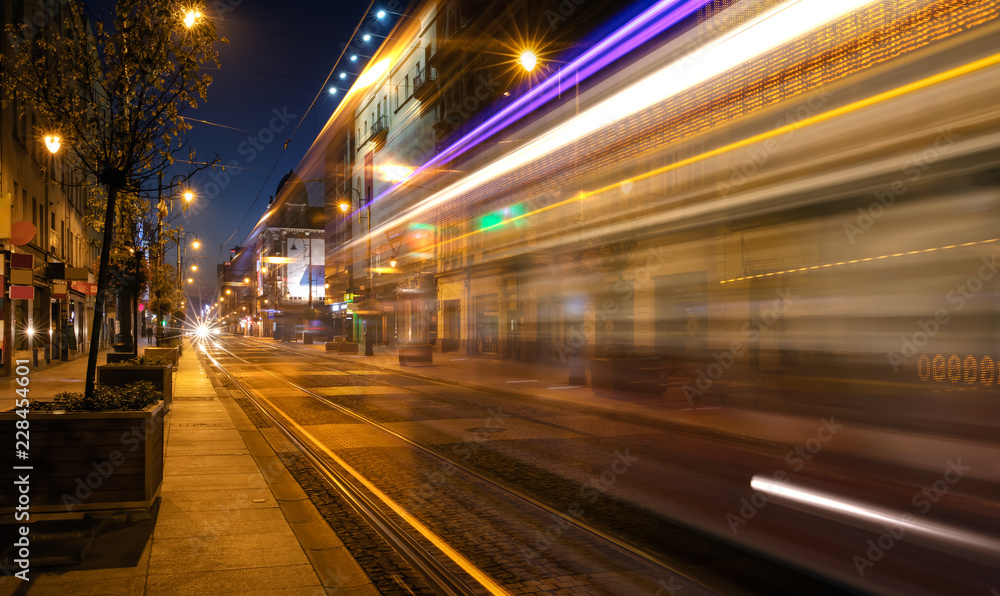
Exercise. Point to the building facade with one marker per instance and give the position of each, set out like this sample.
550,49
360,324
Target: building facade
48,250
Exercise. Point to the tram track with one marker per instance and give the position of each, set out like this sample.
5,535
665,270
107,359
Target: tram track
424,562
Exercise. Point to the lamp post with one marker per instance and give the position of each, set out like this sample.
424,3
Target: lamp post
346,206
181,251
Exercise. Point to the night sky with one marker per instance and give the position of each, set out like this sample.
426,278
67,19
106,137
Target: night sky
278,56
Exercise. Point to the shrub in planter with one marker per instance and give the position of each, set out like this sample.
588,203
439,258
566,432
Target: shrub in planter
171,355
103,453
156,370
133,397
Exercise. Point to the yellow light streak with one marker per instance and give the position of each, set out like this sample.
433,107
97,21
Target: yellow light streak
818,118
465,564
841,263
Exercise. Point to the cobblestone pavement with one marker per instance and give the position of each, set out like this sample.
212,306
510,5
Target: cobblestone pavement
628,479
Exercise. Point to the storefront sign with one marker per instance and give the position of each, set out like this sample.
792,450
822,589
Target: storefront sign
21,277
20,261
84,287
22,292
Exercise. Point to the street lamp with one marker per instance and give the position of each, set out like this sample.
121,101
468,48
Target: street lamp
52,143
191,17
346,206
528,60
181,251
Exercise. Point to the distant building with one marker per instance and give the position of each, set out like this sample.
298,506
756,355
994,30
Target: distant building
278,278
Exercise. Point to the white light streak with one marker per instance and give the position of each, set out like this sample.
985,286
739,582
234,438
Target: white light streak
755,38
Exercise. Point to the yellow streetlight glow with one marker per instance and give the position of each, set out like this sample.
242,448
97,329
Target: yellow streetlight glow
344,207
190,280
194,267
528,60
188,196
396,173
392,263
372,74
246,280
229,291
53,143
191,17
196,244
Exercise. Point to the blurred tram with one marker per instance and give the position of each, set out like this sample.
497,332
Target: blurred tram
809,226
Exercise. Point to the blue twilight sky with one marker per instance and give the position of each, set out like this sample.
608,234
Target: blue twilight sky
278,56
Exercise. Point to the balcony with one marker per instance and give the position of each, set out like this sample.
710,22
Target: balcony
423,83
380,129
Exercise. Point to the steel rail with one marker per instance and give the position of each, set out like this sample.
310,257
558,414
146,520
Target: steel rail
624,547
428,566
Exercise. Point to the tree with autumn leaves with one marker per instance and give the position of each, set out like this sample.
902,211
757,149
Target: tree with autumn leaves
115,93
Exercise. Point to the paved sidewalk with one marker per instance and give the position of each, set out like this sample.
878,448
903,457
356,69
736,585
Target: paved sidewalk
231,519
911,450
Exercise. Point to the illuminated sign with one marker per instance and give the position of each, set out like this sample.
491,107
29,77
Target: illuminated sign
967,370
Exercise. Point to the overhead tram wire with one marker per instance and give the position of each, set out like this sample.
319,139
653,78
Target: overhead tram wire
284,148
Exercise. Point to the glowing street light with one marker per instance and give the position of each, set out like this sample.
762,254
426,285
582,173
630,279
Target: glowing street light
191,17
53,143
528,60
188,196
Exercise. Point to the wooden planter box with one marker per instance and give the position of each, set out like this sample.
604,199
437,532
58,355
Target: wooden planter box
87,461
172,354
610,376
415,353
347,347
159,376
